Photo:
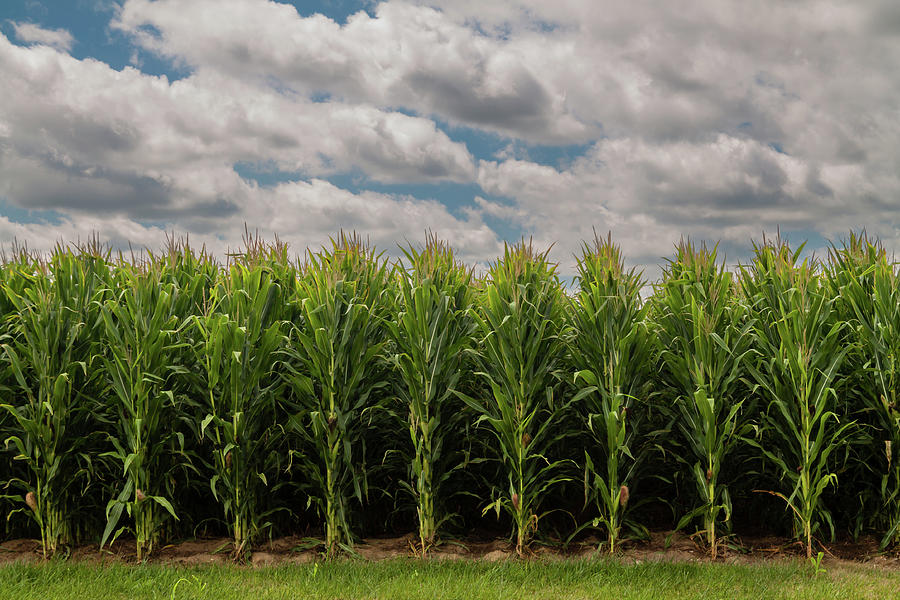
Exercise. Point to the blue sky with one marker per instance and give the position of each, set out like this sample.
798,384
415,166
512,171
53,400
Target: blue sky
483,122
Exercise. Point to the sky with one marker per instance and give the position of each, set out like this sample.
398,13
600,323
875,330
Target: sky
481,121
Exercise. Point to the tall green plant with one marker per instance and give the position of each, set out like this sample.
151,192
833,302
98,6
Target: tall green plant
800,352
705,336
612,353
11,265
192,275
334,363
430,332
51,352
866,287
240,336
521,350
141,324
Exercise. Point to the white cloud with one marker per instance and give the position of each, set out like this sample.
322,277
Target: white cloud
651,194
110,150
562,72
56,38
387,220
304,214
42,237
406,55
82,136
702,118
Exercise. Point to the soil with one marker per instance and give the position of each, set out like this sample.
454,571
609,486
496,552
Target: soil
662,546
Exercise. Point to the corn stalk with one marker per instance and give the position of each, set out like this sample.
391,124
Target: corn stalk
11,266
705,337
334,364
611,352
867,290
50,352
431,330
519,323
800,352
141,324
239,338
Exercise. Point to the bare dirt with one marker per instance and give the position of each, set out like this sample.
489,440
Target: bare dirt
662,546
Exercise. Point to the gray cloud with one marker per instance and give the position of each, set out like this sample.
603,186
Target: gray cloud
170,146
406,55
522,108
711,119
109,150
650,194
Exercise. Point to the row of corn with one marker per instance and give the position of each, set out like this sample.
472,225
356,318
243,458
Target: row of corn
168,395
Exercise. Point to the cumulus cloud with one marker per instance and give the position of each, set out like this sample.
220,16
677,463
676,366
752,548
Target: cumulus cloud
78,134
387,220
406,55
119,233
34,34
107,148
305,214
651,194
702,118
562,72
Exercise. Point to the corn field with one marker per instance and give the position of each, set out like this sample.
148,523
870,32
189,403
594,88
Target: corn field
343,395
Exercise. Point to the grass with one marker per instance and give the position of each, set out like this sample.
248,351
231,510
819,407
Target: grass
406,578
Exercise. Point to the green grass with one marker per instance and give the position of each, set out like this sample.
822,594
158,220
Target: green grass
405,578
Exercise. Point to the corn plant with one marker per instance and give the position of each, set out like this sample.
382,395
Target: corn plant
334,363
800,351
704,336
611,352
519,319
431,330
193,274
10,266
865,284
141,324
51,352
239,338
